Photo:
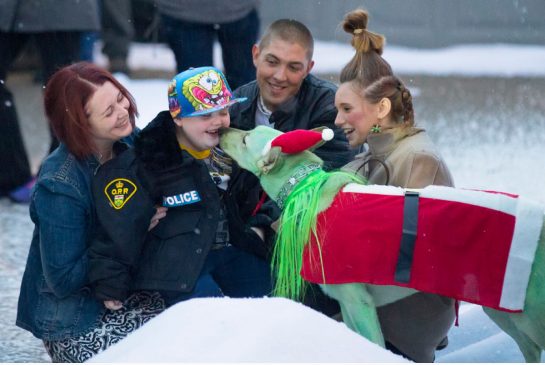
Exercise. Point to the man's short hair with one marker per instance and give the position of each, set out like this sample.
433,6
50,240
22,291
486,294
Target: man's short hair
289,30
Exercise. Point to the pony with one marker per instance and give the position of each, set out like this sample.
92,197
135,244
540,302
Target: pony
319,207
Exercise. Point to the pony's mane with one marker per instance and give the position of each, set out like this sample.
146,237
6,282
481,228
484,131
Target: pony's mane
297,222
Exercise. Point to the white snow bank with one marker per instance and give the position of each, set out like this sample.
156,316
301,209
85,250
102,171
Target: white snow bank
465,60
244,330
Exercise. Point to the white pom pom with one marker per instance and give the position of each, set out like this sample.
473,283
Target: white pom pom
327,134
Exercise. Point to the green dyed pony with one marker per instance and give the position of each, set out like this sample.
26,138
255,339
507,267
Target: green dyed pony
298,223
299,186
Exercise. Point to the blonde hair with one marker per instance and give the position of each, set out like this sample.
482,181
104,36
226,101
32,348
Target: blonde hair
370,74
367,65
400,97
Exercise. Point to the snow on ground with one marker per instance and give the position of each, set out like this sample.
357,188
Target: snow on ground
468,60
243,330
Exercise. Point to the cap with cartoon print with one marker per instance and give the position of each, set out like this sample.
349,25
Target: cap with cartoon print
199,91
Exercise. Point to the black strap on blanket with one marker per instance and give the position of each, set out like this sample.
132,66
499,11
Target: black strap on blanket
410,226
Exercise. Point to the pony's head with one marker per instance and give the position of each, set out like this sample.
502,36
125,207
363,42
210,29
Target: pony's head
274,157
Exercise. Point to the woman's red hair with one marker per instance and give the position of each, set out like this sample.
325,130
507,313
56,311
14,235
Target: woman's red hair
66,94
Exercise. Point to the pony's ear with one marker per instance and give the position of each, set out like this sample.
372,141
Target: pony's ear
269,161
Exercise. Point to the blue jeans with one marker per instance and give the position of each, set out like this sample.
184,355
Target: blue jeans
231,272
192,44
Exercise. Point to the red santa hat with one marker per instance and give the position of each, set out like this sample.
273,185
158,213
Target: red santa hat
298,140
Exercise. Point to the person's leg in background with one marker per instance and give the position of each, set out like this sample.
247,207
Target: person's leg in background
87,46
88,40
236,40
57,49
14,166
192,43
117,33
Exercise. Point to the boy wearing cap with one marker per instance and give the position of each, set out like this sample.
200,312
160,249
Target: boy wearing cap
206,245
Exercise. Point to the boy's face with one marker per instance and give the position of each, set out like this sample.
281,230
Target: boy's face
280,69
202,132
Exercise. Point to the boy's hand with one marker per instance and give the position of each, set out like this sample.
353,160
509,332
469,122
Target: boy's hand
113,304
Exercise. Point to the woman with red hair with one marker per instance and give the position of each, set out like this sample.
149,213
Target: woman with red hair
93,116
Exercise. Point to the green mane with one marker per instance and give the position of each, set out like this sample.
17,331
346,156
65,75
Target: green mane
297,223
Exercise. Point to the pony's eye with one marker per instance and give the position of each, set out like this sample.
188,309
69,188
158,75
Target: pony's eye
244,140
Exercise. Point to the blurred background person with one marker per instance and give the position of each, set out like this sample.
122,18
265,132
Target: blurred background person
57,37
191,26
117,33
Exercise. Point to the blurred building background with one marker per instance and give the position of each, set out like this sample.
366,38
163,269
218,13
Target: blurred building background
410,23
421,23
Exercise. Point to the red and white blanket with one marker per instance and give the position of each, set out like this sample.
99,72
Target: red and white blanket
475,246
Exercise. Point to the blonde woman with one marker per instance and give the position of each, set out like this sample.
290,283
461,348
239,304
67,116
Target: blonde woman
375,108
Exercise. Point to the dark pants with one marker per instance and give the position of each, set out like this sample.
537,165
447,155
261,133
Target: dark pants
192,44
231,272
117,28
56,49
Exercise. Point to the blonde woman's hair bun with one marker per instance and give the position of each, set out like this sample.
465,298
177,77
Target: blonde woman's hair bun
355,24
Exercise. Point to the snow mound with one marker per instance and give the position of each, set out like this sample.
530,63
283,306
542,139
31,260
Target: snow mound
244,330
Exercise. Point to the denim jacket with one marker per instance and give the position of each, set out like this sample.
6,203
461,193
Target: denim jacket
55,301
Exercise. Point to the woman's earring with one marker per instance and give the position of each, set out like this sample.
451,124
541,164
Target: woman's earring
375,128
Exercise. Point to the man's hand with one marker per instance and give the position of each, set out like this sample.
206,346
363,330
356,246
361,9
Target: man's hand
113,304
159,214
276,225
260,232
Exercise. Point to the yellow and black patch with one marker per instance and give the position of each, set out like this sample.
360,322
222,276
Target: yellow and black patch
119,191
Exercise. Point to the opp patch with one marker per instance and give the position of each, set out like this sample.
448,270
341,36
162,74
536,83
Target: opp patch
119,191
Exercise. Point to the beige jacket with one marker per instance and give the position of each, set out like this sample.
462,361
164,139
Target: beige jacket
417,324
411,158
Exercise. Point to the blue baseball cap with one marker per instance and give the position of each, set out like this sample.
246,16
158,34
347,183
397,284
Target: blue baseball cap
199,91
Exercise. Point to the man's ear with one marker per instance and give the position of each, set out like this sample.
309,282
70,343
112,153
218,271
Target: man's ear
310,66
255,54
271,160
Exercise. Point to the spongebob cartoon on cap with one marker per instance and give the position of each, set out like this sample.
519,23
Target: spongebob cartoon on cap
173,104
199,91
